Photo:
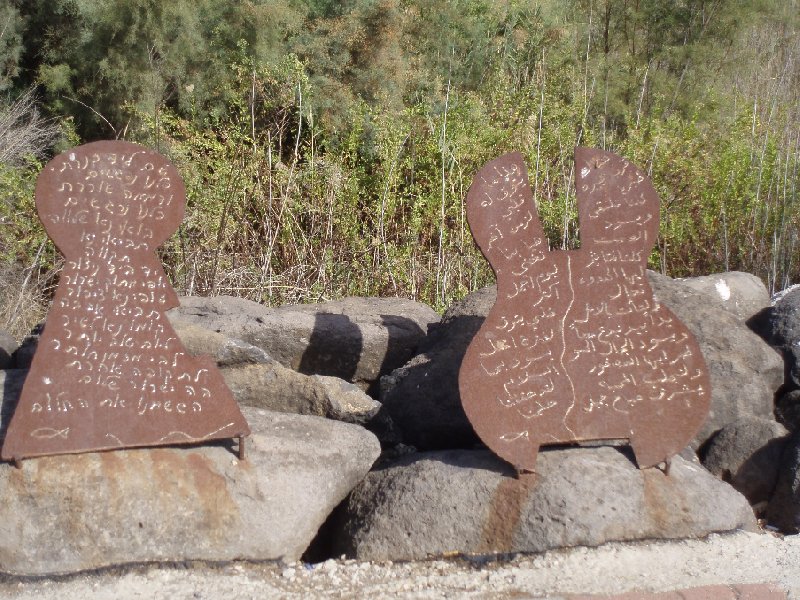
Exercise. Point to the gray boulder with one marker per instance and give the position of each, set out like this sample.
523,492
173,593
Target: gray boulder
787,410
741,293
355,339
745,371
747,454
227,351
274,387
784,507
784,319
436,503
780,326
423,399
8,345
256,379
71,513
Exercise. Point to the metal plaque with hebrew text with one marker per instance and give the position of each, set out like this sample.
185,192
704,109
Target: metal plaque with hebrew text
109,371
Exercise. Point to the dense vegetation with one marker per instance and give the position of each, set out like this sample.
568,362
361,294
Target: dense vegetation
327,146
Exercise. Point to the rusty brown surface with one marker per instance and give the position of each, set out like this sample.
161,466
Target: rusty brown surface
505,513
576,348
109,371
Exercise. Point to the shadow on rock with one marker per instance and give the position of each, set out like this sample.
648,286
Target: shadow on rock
12,382
334,347
423,398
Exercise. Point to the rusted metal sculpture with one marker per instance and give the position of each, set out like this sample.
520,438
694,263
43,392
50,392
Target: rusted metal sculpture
575,347
109,371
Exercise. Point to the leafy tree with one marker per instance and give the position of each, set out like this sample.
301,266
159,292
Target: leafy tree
98,59
11,27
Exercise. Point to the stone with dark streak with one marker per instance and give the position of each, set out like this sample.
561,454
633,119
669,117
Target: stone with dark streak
63,514
434,503
355,339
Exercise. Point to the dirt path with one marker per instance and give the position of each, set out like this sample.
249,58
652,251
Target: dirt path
740,558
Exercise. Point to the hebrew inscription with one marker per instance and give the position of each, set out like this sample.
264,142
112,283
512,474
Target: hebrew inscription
110,371
576,348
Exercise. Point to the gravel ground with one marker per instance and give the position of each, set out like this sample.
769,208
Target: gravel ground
655,566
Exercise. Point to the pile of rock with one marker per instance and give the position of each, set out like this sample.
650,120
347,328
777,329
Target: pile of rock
593,495
323,383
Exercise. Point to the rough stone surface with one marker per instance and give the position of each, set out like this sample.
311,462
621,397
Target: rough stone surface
784,319
422,397
745,371
227,351
275,387
69,513
780,326
784,507
355,339
346,401
787,410
468,501
747,454
741,293
8,346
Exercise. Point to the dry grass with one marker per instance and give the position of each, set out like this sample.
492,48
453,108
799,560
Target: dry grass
23,301
23,131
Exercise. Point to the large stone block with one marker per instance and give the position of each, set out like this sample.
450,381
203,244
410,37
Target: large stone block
70,513
355,339
742,294
436,503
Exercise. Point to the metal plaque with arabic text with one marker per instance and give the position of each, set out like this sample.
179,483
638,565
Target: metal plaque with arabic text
575,347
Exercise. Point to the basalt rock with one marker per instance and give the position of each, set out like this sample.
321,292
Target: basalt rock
435,503
422,397
355,339
787,410
747,454
780,326
745,371
71,513
740,293
226,351
784,507
423,400
11,381
274,387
